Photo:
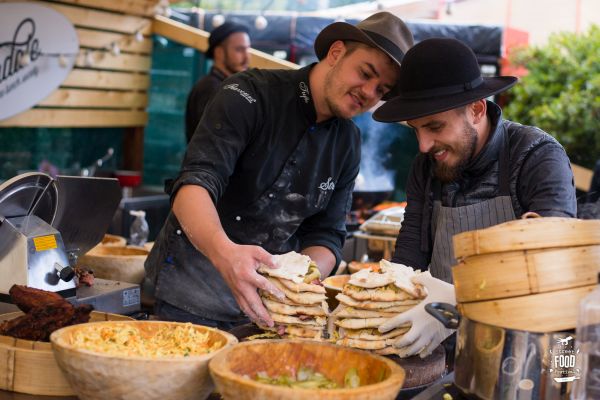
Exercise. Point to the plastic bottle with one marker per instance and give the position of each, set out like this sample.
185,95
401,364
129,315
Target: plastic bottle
587,340
138,231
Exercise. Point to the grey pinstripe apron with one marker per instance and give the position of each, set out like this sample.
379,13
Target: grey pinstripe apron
448,221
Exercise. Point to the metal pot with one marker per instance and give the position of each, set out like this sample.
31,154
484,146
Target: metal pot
362,200
505,364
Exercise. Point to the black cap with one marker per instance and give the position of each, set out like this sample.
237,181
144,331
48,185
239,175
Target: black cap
222,32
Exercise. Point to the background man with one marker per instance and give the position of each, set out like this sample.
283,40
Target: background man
228,46
475,169
271,169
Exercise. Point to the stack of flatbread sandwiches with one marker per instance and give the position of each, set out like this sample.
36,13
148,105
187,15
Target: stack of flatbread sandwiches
303,312
370,298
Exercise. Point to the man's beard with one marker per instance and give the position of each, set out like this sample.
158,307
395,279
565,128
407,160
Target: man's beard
465,151
329,88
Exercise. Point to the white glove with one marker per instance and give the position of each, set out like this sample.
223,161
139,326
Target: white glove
426,333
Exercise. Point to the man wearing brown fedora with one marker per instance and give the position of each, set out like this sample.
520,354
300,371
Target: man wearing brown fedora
475,169
270,169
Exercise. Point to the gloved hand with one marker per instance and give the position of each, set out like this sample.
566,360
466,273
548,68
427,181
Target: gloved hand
426,332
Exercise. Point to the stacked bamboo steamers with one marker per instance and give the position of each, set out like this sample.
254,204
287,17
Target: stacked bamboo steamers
527,274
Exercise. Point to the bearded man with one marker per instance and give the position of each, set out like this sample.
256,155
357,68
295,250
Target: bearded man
475,169
271,169
229,47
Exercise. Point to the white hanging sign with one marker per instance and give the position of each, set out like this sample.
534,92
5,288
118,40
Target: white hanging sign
38,47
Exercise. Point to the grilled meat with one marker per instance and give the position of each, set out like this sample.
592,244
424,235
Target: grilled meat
27,298
45,313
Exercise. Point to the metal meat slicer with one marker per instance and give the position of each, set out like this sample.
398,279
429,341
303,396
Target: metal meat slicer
45,224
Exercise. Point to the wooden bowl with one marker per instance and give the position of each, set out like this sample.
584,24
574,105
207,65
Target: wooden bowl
355,266
334,285
100,376
28,366
113,240
116,263
234,368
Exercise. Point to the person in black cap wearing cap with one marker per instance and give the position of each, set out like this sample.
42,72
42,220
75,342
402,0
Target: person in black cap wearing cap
271,169
228,46
475,169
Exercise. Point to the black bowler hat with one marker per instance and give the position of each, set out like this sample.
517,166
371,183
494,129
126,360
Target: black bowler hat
222,32
438,75
383,31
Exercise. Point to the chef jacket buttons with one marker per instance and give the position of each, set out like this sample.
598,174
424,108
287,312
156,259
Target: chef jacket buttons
178,231
218,126
238,218
293,161
271,195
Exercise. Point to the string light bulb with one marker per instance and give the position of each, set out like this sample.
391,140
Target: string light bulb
62,61
115,50
24,60
260,22
218,20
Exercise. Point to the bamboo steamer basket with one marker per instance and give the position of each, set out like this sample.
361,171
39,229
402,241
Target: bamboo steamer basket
30,367
96,376
233,369
525,272
116,263
526,234
543,312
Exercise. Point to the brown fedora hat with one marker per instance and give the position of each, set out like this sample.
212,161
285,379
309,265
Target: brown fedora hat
382,30
438,75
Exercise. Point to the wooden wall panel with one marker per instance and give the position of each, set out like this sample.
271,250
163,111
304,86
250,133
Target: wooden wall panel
145,8
99,40
122,62
77,98
51,118
107,80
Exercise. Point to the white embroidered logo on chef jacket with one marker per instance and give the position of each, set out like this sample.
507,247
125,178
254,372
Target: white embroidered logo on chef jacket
244,94
305,93
329,185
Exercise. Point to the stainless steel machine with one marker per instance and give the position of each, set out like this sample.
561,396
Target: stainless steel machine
45,224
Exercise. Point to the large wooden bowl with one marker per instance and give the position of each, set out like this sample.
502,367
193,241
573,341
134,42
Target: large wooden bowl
116,263
28,366
99,376
234,368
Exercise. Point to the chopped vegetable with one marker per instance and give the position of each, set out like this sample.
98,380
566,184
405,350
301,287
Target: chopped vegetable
307,378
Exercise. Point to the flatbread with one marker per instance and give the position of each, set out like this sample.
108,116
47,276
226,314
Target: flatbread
374,305
351,312
379,294
362,344
360,323
295,331
300,298
288,309
373,334
288,319
388,351
302,287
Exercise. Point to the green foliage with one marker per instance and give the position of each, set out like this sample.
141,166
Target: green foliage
561,92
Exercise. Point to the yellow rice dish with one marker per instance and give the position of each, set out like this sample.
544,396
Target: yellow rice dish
128,340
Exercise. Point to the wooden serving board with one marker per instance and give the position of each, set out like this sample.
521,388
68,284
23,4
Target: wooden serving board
524,272
28,366
543,312
527,234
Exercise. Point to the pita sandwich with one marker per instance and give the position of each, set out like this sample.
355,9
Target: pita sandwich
373,334
364,344
351,312
360,323
374,305
299,298
385,293
300,320
293,309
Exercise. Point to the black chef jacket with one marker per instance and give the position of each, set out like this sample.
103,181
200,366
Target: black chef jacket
279,180
199,96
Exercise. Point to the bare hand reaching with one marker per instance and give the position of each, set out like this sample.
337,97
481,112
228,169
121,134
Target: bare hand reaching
238,264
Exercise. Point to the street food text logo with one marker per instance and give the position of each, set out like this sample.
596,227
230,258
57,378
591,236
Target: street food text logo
563,360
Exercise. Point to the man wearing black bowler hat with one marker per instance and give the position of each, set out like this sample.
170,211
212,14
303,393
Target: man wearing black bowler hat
475,169
228,46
